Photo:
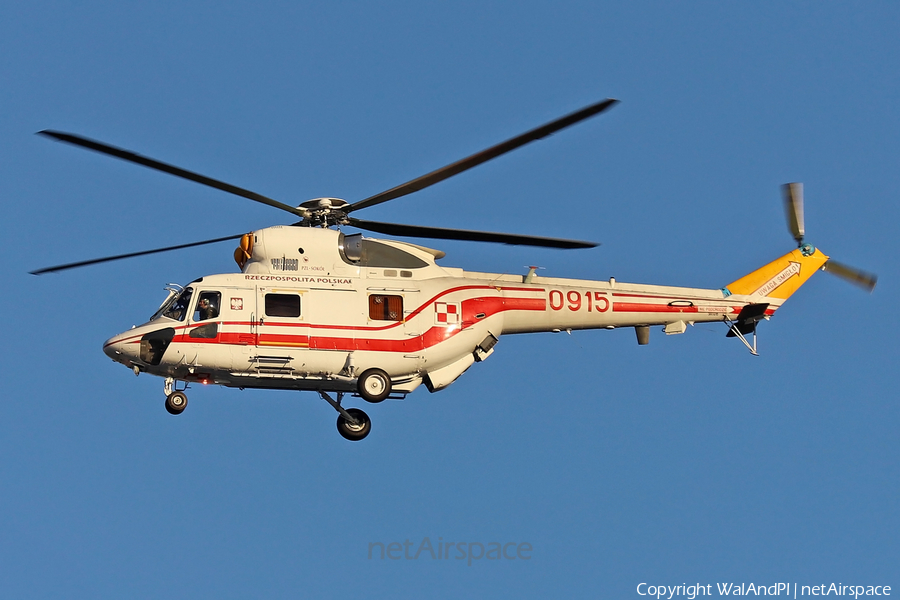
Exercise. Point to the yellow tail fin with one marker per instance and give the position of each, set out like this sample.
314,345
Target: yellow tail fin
781,277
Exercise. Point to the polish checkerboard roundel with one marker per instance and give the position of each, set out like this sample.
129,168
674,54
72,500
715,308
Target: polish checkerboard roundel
446,313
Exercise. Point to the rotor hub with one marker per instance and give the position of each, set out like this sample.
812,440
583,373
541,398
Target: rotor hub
324,212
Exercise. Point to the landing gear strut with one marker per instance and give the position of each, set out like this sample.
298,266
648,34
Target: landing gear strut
353,424
176,400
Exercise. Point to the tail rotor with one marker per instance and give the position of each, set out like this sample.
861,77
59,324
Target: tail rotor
793,209
855,276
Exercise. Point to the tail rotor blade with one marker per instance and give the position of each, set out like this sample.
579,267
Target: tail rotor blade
855,276
793,208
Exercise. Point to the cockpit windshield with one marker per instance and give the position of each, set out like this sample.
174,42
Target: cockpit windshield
175,307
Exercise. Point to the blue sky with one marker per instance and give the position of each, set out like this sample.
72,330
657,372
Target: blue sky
687,460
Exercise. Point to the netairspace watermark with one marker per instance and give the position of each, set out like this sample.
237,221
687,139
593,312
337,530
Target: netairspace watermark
760,589
441,550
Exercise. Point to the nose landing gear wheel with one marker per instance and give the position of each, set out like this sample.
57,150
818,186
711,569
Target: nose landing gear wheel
374,385
354,431
176,402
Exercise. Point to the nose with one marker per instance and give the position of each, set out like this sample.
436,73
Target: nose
117,349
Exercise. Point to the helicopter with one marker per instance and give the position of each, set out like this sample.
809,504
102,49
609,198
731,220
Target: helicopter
312,308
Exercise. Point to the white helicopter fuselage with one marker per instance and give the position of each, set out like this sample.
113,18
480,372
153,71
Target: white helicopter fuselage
312,308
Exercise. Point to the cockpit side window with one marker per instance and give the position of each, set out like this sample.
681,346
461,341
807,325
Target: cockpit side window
178,309
207,306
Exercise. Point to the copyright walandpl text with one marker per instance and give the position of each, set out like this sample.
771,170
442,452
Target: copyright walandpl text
789,590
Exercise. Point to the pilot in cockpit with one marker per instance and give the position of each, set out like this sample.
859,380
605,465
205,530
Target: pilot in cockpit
206,310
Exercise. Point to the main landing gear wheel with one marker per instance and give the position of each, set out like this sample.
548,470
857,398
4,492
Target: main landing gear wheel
374,385
176,402
354,431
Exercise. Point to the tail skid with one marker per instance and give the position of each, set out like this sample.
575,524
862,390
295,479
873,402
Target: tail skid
745,323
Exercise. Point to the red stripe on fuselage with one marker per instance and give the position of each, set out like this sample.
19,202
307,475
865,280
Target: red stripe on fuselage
662,308
418,310
473,310
636,307
672,298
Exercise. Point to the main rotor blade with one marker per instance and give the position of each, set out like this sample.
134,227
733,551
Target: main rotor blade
855,276
441,233
95,261
481,157
77,140
793,208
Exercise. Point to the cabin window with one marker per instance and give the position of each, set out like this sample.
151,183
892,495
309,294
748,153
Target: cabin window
208,331
207,306
178,309
385,308
282,305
